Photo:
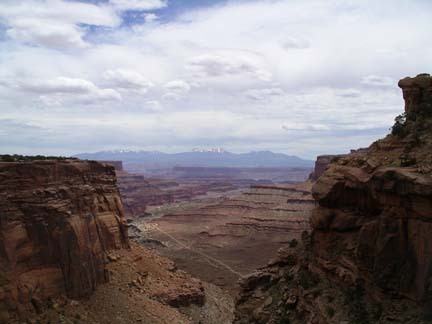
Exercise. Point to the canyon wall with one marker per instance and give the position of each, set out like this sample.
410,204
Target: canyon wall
377,211
369,256
118,165
58,219
138,193
321,164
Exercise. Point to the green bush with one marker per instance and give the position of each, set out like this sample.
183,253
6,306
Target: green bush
399,128
354,299
293,243
29,158
330,311
306,280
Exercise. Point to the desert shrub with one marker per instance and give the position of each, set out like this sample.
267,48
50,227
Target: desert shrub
354,299
7,158
306,280
376,312
399,128
317,292
291,260
29,158
406,160
335,159
293,243
330,312
427,313
284,320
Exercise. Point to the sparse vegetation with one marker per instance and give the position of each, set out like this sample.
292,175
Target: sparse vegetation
406,160
317,292
29,158
330,312
284,320
376,312
399,128
293,243
306,280
357,309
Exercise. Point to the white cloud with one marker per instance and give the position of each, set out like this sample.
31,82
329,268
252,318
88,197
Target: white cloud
303,77
127,80
56,36
349,93
263,94
378,81
172,96
215,65
138,4
155,105
295,43
53,23
178,86
150,17
53,91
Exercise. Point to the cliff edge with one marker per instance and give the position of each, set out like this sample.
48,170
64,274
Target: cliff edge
368,258
58,220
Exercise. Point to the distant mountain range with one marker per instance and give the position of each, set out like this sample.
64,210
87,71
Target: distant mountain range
200,158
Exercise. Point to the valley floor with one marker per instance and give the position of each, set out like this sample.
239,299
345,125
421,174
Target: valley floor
222,239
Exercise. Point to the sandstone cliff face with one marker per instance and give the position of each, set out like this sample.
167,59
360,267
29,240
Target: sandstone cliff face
57,221
321,164
138,194
370,252
377,212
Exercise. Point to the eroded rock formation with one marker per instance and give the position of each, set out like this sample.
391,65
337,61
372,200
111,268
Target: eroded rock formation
240,230
138,193
57,221
321,164
369,257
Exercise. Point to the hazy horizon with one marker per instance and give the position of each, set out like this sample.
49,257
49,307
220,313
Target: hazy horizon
303,78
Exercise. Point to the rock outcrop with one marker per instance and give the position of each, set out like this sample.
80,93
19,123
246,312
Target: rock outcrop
138,193
118,165
321,164
57,221
369,257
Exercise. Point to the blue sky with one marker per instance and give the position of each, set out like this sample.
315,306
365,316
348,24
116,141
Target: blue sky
299,77
173,9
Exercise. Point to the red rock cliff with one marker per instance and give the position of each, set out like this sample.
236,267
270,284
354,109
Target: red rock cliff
377,210
57,221
369,256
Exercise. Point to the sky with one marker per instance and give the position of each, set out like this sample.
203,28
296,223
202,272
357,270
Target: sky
302,77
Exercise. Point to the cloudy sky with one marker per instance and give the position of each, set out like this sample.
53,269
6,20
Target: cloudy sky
303,77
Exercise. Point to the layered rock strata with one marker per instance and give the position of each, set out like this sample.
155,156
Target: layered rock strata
218,240
321,164
57,221
369,258
138,193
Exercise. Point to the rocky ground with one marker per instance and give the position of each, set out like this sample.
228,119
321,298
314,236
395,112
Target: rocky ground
143,288
289,290
220,240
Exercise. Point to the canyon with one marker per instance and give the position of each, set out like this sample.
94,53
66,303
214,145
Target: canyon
222,239
95,242
66,257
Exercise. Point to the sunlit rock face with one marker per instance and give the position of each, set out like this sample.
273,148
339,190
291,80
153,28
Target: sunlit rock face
57,221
